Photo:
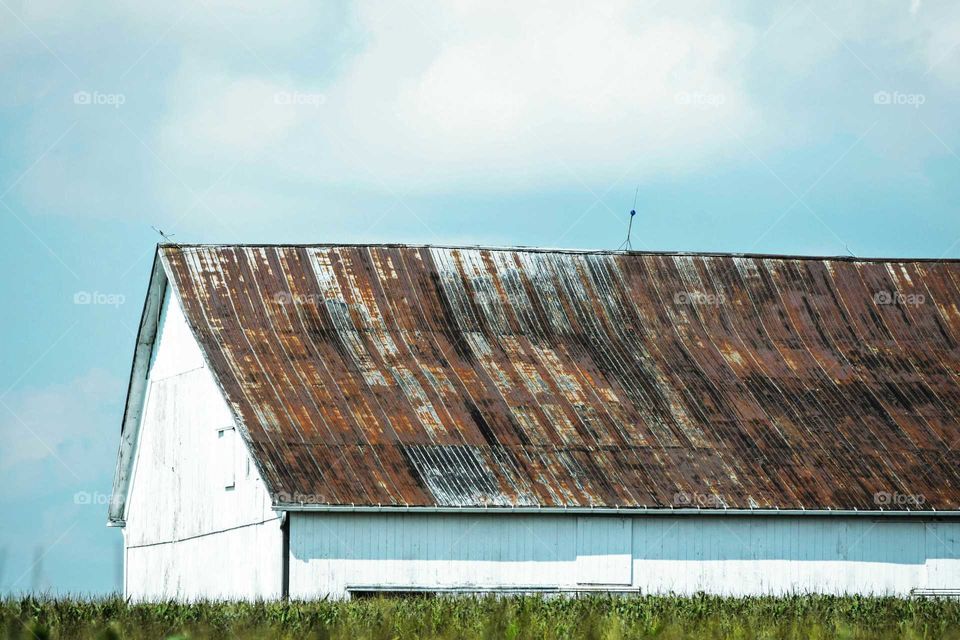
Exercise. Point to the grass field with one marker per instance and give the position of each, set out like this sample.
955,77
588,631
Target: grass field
519,617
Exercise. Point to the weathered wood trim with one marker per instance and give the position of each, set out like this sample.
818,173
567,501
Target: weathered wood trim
285,559
137,392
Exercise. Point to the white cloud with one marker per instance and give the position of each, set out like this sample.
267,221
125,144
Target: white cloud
71,27
59,434
456,97
227,115
942,43
491,95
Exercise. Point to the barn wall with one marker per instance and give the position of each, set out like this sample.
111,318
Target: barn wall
240,563
726,555
188,532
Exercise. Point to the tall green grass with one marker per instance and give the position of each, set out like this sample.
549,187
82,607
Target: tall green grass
595,617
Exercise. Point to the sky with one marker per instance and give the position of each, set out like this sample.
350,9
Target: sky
798,127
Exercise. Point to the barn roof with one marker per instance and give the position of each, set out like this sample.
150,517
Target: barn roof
477,377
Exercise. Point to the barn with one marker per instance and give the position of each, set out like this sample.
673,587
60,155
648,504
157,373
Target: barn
342,420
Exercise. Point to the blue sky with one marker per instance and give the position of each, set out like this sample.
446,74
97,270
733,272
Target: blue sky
804,127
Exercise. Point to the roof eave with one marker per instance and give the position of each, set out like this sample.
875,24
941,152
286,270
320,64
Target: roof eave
623,511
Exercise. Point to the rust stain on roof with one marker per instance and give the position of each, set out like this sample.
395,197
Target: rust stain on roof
427,376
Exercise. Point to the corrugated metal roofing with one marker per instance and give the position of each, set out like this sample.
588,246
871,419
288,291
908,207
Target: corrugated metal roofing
427,376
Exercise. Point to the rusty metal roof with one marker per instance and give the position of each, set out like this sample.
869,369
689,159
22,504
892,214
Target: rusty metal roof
466,377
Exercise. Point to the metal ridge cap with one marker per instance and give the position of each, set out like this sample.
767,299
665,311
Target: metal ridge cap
557,250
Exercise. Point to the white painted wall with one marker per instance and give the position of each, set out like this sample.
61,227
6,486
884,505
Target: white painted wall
331,552
187,534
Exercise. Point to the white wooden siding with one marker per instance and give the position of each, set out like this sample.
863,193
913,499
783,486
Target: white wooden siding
774,555
943,568
242,563
604,550
331,553
186,533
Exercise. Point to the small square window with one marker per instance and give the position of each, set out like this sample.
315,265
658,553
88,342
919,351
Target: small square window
227,456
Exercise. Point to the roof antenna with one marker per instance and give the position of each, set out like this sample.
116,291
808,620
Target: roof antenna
626,244
165,236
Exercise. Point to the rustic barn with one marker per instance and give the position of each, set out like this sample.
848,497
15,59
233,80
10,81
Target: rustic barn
311,421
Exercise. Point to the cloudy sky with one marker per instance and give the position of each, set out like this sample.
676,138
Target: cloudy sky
802,127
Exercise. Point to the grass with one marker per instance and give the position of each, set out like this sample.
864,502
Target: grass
599,617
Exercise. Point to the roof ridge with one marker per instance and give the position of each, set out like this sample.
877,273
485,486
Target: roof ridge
530,249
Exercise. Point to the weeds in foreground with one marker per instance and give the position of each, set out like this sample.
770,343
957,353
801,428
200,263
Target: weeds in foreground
515,618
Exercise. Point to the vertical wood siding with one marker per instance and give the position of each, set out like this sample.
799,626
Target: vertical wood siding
186,535
604,547
331,553
241,563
